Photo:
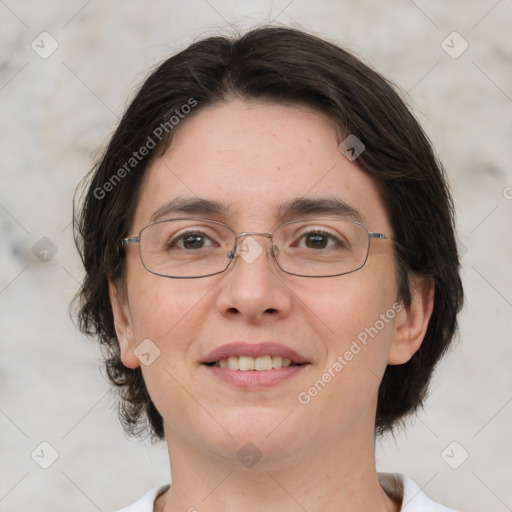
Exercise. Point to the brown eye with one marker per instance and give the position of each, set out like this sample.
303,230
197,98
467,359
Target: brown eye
190,241
193,241
316,241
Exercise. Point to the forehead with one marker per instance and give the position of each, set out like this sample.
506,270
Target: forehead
253,158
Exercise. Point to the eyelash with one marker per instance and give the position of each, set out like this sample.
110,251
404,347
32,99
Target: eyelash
323,233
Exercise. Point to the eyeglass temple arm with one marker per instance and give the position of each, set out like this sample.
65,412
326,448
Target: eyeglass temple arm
133,240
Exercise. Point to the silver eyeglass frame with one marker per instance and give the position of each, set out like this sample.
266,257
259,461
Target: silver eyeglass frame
233,252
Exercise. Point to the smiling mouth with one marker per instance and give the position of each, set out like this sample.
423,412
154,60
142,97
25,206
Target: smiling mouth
258,364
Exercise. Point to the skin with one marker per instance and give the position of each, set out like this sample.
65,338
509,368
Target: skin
252,156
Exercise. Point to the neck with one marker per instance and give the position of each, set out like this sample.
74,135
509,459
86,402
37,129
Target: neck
339,477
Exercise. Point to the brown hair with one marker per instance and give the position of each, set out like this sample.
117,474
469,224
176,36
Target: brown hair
281,65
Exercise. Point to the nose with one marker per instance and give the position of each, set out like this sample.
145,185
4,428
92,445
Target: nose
253,289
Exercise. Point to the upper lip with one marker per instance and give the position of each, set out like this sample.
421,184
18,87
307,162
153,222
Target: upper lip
241,348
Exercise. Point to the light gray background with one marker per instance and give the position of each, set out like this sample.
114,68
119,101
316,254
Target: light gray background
58,111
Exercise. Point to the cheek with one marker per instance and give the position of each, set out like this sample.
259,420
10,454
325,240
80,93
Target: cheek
164,310
346,308
354,321
170,313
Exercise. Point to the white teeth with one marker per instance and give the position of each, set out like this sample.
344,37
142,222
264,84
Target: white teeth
263,363
277,361
233,363
247,363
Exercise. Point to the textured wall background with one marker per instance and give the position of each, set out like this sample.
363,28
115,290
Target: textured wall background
67,71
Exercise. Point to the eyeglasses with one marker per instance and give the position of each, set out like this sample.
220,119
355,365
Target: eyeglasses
188,248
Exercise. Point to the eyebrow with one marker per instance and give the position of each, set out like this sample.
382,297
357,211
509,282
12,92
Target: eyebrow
192,206
318,206
292,208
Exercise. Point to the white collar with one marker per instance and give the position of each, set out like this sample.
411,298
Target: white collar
395,485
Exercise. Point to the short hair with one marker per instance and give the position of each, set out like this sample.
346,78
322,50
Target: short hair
285,66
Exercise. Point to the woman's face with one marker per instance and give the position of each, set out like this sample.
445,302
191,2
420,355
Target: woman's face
253,158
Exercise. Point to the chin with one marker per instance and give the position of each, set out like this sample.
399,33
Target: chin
269,435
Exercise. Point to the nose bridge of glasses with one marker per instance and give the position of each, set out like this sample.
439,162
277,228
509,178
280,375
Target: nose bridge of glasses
252,233
249,248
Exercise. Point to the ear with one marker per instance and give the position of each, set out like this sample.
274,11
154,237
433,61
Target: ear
123,326
411,322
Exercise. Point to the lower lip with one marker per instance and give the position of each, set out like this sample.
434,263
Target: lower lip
254,379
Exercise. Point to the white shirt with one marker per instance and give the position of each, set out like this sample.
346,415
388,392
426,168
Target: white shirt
413,498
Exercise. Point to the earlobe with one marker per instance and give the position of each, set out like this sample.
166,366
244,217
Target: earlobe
411,322
123,326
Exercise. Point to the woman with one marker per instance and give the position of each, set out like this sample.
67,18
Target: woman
271,268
